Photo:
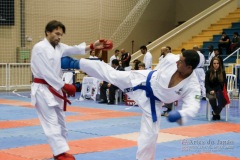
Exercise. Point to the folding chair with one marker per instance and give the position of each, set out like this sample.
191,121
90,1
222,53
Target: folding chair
231,86
118,94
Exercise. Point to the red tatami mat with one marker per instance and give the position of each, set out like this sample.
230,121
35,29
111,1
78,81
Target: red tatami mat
203,129
99,144
14,124
76,147
83,114
97,116
204,156
15,103
6,156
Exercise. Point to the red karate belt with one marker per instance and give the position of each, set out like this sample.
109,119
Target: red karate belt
54,92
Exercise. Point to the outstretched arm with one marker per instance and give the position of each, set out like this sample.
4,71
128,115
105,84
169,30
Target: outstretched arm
83,48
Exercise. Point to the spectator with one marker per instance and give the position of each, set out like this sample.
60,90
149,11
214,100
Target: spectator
216,53
224,42
92,54
164,52
200,72
120,63
169,49
141,66
125,58
135,64
182,50
211,54
147,59
214,82
235,42
115,56
111,88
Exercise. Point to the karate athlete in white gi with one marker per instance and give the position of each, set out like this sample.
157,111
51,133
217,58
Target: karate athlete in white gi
147,59
48,91
174,80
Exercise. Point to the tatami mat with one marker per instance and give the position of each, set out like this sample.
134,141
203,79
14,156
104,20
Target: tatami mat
110,132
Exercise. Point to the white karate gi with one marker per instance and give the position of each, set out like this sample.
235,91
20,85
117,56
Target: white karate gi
46,64
147,59
187,90
93,57
112,58
210,56
201,73
170,55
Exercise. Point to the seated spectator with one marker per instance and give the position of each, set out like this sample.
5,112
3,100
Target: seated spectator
135,64
141,66
214,82
235,42
224,42
111,88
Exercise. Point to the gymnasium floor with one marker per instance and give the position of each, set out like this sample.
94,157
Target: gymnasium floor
109,132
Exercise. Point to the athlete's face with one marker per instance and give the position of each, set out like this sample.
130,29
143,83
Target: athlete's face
55,36
181,65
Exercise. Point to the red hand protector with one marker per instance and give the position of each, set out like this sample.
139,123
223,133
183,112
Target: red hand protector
102,40
70,89
91,46
108,45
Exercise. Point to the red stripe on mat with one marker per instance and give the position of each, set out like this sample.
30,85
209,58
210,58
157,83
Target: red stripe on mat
76,147
203,129
6,156
204,156
83,114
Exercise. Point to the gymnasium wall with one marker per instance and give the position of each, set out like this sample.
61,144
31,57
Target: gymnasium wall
159,17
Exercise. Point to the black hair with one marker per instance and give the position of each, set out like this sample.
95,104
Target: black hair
54,25
210,48
236,33
116,62
117,50
169,48
183,49
143,47
191,58
136,61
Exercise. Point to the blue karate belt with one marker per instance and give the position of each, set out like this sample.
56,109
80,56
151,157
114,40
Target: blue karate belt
149,94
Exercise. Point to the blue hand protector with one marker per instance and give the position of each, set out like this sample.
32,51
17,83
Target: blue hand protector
69,63
174,116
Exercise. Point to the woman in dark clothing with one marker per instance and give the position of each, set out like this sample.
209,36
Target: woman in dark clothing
214,82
